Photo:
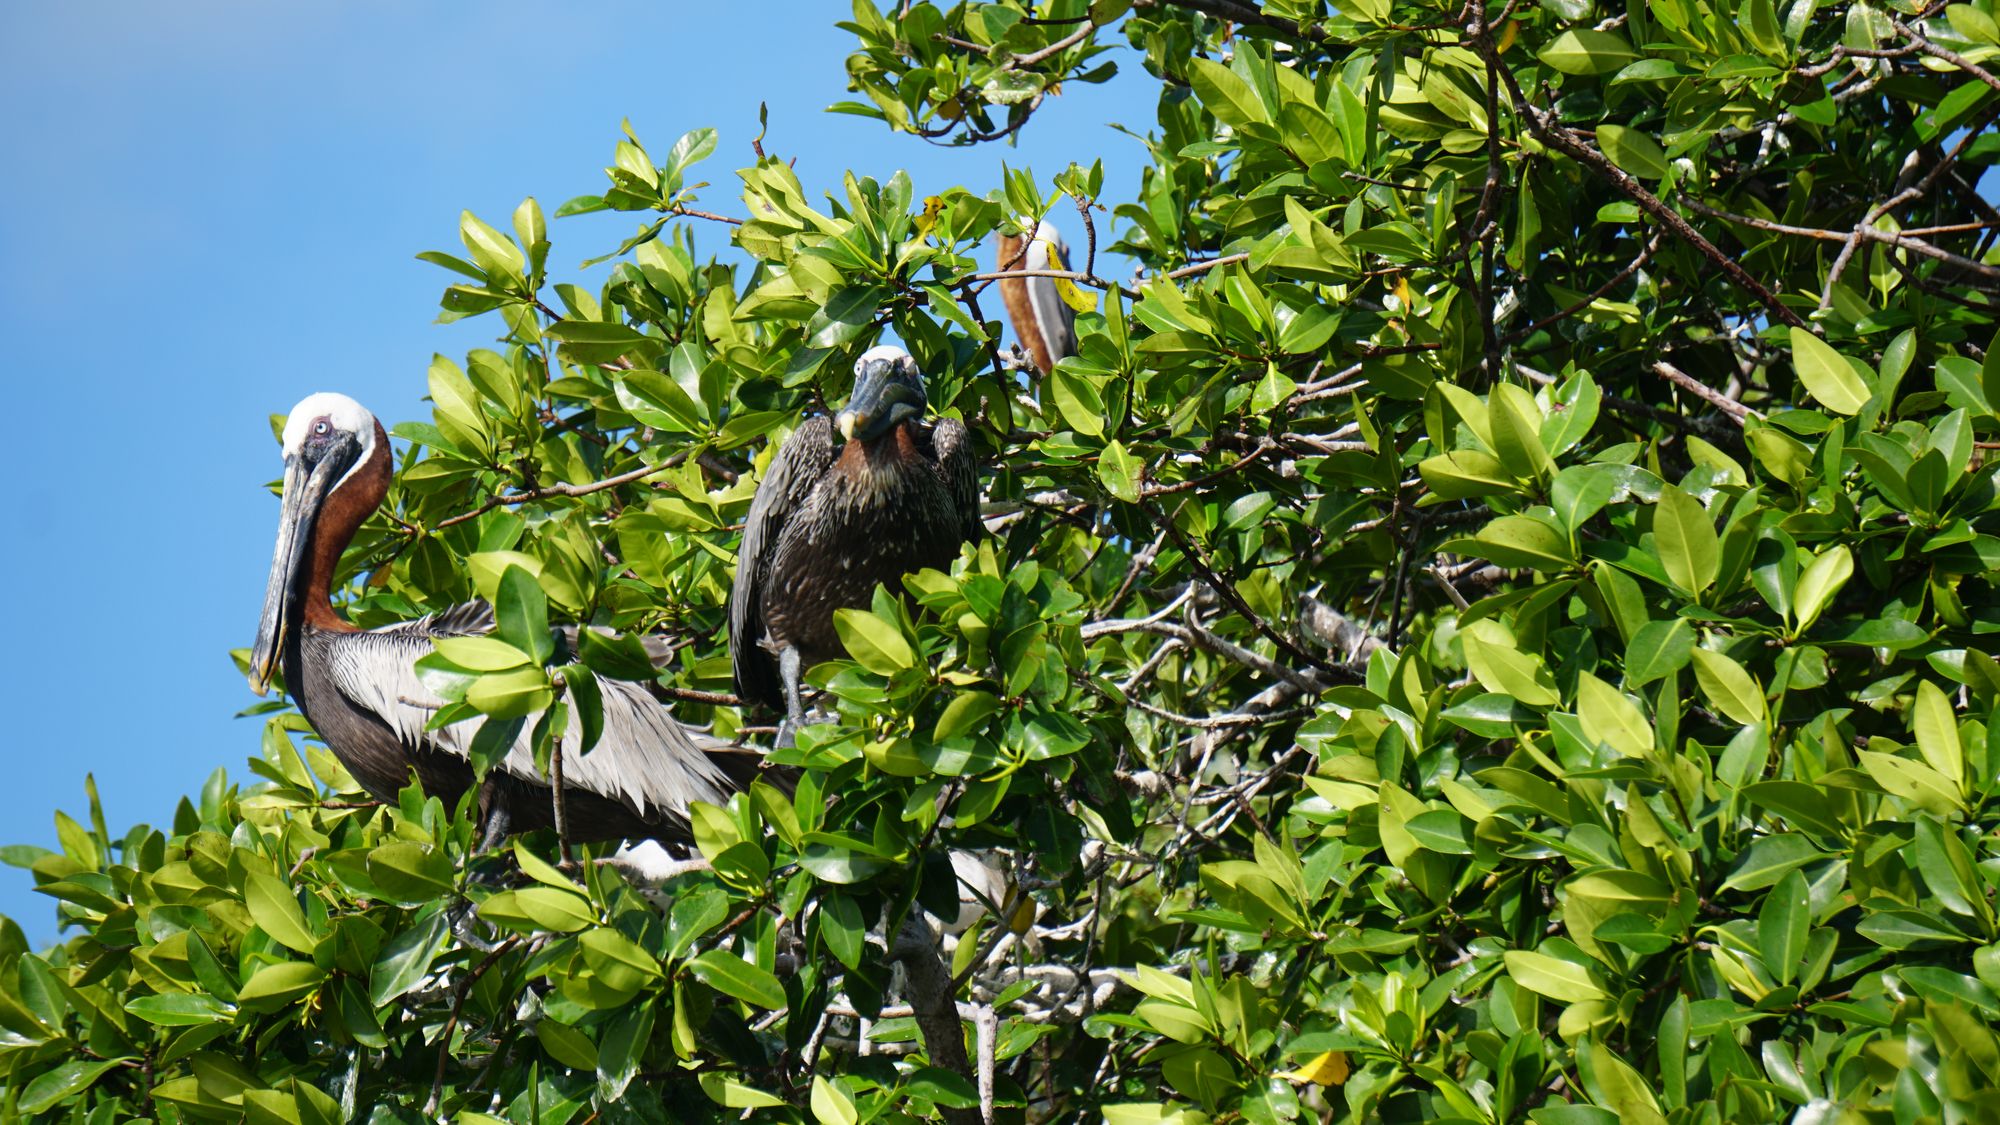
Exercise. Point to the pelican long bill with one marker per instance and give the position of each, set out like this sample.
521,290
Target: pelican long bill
304,492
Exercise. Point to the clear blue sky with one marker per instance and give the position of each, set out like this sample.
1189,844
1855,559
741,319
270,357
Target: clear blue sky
209,209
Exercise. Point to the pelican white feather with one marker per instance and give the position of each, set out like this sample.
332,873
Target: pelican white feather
644,758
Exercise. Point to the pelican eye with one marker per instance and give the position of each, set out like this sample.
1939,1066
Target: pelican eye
321,428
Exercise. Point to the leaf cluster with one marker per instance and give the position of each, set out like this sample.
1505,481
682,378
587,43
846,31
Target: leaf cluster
1492,624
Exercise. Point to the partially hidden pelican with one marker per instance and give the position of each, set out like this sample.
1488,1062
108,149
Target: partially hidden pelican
1043,321
361,693
833,518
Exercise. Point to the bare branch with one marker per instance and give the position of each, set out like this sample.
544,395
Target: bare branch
1552,133
1991,274
553,490
1736,410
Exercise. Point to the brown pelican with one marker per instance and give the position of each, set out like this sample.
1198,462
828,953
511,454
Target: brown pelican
1043,322
360,692
832,519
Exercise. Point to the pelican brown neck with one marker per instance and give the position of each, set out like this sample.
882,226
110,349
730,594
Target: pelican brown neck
347,506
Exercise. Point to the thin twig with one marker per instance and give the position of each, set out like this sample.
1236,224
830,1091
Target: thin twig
451,1024
679,209
1553,134
548,491
1736,410
1645,254
1055,48
1872,234
1945,53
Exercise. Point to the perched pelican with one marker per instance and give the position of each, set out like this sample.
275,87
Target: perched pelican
830,520
360,692
1043,321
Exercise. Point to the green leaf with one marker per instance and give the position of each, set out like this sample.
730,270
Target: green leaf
566,1044
1731,688
481,654
1121,472
731,1094
1633,150
522,615
875,644
1658,649
1827,375
1615,1085
616,959
966,711
845,316
511,695
1782,925
274,985
1553,977
732,975
1228,97
1769,858
277,913
1611,718
1686,539
407,958
1500,667
1915,782
658,401
1077,398
1466,474
1519,541
180,1009
1586,52
1515,423
68,1079
490,249
1829,571
842,927
411,872
1936,730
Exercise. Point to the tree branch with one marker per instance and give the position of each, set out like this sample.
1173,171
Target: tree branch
1557,137
1736,410
933,1006
553,490
1871,234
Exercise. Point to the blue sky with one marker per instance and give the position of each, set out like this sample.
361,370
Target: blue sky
210,209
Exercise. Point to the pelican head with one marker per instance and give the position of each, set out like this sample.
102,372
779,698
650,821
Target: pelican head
888,388
328,438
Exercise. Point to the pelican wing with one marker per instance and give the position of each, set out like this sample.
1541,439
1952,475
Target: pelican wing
1054,319
644,759
959,466
794,472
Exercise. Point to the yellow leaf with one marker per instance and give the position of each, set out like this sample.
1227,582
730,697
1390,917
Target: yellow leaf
1329,1068
1074,297
1024,916
1507,36
933,206
1403,292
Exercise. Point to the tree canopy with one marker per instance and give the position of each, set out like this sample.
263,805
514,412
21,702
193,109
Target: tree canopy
1490,626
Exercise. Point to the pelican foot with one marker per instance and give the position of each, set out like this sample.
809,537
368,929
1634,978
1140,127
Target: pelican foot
465,926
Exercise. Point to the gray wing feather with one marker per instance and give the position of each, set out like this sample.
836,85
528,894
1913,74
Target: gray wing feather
465,619
1053,316
644,759
795,470
959,466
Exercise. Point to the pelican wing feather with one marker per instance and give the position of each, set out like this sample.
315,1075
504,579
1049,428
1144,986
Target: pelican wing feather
794,472
644,759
